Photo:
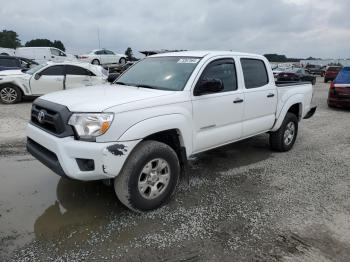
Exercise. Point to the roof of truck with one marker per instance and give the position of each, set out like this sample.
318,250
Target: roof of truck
203,53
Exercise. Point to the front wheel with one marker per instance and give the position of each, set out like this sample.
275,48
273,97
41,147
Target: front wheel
284,138
122,61
149,177
10,94
95,62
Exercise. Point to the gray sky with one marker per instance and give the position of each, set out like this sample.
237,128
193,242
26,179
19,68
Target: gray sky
297,28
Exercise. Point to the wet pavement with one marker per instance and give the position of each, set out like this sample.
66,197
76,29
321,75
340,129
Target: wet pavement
244,203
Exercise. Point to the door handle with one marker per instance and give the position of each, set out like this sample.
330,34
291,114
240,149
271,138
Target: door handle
238,100
270,95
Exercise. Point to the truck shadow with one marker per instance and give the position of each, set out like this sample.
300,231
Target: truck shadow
89,204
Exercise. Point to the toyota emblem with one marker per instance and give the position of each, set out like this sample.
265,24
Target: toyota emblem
41,116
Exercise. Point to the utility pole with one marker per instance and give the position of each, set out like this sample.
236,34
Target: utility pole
98,36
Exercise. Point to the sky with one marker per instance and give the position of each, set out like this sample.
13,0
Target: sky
296,28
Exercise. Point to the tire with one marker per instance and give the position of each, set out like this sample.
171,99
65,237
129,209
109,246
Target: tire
278,139
95,62
133,186
122,61
10,94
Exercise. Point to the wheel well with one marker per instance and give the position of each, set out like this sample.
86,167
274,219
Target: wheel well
173,139
296,110
10,84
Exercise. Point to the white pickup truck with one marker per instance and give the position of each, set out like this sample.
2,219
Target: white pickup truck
141,130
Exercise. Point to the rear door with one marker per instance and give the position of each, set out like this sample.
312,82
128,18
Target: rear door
218,116
260,97
77,76
101,56
50,80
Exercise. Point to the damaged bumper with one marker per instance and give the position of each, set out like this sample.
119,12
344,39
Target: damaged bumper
78,159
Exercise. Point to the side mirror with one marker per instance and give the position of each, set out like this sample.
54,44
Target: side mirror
37,76
207,86
112,77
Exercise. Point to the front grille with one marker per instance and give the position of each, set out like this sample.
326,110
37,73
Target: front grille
55,118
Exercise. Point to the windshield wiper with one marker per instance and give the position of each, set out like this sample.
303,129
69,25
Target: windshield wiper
147,86
120,83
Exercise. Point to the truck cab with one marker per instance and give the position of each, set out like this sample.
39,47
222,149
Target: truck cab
161,112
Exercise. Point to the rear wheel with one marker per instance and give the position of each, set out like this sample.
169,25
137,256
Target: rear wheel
10,94
149,176
284,138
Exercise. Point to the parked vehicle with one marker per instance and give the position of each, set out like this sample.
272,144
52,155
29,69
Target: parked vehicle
102,57
7,51
113,75
163,110
44,54
331,73
279,70
13,62
339,91
315,69
296,74
47,78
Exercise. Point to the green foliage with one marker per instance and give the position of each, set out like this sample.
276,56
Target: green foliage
129,54
9,39
45,43
280,58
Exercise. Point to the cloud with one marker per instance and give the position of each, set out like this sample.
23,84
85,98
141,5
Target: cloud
297,28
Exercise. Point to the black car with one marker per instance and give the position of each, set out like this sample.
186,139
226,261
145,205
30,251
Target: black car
315,69
14,62
296,74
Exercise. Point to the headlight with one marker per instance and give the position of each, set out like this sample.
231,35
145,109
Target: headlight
90,125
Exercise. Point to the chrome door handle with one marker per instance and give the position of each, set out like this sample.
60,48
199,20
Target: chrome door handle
238,100
270,95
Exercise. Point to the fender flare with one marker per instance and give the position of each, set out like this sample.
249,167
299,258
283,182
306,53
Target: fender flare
295,99
158,124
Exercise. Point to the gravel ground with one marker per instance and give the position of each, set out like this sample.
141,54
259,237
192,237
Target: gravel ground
244,203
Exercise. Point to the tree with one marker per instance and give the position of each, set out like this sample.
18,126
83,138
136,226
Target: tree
44,43
129,54
9,39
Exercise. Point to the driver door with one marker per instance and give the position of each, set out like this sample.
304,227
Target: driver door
48,80
218,116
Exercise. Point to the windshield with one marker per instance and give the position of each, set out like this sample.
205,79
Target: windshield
164,73
36,68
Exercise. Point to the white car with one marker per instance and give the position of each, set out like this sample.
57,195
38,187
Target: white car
103,57
162,111
47,78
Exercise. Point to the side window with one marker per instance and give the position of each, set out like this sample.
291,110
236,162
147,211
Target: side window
109,52
223,69
55,52
100,52
9,62
76,70
255,73
56,70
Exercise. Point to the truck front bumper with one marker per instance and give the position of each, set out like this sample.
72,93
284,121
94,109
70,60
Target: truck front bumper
78,159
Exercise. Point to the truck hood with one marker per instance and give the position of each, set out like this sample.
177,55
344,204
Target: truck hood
14,72
102,97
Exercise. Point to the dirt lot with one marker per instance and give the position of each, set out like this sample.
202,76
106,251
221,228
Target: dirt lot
244,203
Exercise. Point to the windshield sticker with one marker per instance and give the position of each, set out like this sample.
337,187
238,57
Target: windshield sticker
188,61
